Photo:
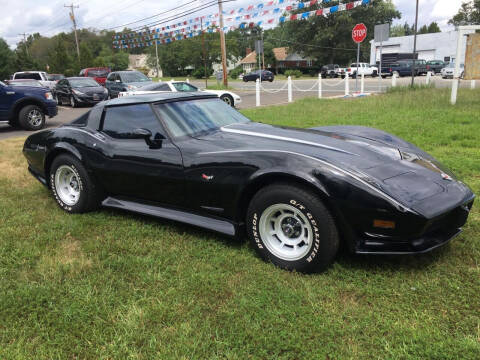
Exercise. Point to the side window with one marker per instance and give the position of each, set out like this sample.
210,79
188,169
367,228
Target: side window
120,121
163,87
111,77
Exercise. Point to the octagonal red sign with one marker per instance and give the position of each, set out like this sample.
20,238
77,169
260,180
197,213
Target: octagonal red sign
359,33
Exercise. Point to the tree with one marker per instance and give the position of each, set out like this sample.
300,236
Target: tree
433,28
328,38
468,14
7,60
397,30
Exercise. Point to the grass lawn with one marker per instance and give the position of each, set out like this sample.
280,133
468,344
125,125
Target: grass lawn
111,285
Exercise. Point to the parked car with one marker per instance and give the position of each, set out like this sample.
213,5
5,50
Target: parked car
99,74
26,106
358,69
400,68
25,82
449,70
55,77
79,90
41,76
127,80
330,70
229,97
297,193
435,66
254,75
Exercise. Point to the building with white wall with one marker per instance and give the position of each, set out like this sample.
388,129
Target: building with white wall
434,46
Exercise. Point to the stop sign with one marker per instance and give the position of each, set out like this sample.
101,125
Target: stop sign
359,33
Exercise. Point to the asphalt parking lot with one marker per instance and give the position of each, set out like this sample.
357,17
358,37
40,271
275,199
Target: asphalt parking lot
270,95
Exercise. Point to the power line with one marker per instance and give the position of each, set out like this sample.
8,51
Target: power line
172,17
186,13
310,45
150,17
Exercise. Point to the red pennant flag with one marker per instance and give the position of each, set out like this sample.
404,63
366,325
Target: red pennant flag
319,12
288,8
313,2
350,5
293,17
270,21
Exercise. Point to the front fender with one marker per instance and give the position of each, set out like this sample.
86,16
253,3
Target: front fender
56,149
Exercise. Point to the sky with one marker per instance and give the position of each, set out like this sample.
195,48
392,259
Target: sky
49,17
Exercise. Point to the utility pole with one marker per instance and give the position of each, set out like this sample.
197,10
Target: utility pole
204,53
263,50
222,44
25,42
72,17
156,54
414,44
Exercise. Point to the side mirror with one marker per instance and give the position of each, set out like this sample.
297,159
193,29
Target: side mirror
155,143
141,134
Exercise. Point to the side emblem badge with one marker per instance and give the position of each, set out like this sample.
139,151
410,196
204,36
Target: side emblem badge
446,177
207,177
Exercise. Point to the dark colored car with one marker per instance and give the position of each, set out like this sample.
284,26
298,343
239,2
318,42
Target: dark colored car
435,66
119,81
26,106
79,90
296,192
400,68
254,75
99,74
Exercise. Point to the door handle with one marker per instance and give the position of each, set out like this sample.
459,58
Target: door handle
10,92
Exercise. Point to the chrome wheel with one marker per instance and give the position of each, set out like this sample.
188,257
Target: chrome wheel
67,185
286,232
35,117
227,99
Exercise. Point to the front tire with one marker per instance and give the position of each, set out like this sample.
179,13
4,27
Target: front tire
292,228
31,117
73,188
227,99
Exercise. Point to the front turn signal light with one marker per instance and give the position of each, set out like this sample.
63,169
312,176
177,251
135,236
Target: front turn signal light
383,224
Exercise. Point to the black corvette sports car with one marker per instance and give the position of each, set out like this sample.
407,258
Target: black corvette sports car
296,192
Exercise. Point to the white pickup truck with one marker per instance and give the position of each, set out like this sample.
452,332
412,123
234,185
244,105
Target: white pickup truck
358,69
41,76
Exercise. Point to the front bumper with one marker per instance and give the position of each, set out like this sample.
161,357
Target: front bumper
90,99
437,232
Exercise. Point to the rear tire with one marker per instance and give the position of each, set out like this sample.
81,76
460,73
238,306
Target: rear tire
73,188
31,117
291,227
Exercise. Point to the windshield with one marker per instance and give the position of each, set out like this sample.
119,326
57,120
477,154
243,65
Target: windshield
97,73
34,76
196,117
78,83
183,86
134,76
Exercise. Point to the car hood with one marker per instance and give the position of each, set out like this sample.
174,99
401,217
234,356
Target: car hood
391,164
90,89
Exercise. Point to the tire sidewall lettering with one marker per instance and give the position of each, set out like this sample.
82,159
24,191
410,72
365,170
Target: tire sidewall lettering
314,224
54,190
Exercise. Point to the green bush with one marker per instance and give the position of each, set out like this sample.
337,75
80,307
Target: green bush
236,72
200,73
293,73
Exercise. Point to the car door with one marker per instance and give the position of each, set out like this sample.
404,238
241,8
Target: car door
129,166
6,101
61,90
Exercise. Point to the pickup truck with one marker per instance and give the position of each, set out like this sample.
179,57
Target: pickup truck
26,106
330,70
41,76
359,69
400,68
